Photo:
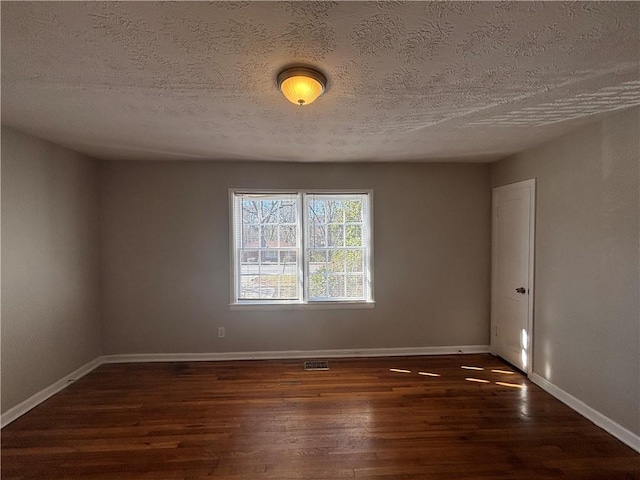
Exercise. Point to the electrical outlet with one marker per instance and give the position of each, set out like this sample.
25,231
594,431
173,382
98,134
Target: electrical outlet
221,332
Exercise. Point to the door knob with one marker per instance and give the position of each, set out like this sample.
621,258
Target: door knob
521,290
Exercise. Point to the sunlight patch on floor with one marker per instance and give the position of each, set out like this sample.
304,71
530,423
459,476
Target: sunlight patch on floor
512,385
477,380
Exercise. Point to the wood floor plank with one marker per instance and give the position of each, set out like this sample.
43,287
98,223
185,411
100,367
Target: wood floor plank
441,417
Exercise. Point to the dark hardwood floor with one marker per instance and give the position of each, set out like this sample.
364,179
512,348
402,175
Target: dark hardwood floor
273,420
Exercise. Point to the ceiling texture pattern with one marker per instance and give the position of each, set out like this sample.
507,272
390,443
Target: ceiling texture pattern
407,81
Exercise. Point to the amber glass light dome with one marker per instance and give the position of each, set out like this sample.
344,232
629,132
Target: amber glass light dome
301,85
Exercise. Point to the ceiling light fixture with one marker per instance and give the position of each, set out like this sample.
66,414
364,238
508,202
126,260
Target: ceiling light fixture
301,85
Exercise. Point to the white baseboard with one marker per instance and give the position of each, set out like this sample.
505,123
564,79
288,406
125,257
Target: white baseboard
615,429
36,399
284,354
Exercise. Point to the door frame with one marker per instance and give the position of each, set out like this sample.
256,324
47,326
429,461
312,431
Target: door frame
531,184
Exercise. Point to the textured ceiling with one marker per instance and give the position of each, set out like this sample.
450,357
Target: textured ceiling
412,81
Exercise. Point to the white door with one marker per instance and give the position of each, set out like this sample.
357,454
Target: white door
512,272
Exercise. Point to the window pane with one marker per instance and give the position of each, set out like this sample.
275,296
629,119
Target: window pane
249,256
288,236
317,211
288,286
288,256
317,256
288,212
336,260
337,222
355,260
318,283
336,286
249,211
353,235
355,286
317,236
335,236
335,212
266,229
250,236
353,210
249,288
269,236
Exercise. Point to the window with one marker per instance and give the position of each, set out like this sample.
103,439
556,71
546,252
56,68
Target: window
301,247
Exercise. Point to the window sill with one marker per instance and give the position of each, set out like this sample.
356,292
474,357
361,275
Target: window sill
303,306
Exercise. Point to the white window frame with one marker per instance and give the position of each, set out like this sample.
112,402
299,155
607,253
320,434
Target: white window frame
303,302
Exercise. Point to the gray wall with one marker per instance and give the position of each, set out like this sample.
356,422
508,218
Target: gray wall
166,267
587,318
50,264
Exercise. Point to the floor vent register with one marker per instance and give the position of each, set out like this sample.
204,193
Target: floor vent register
316,365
